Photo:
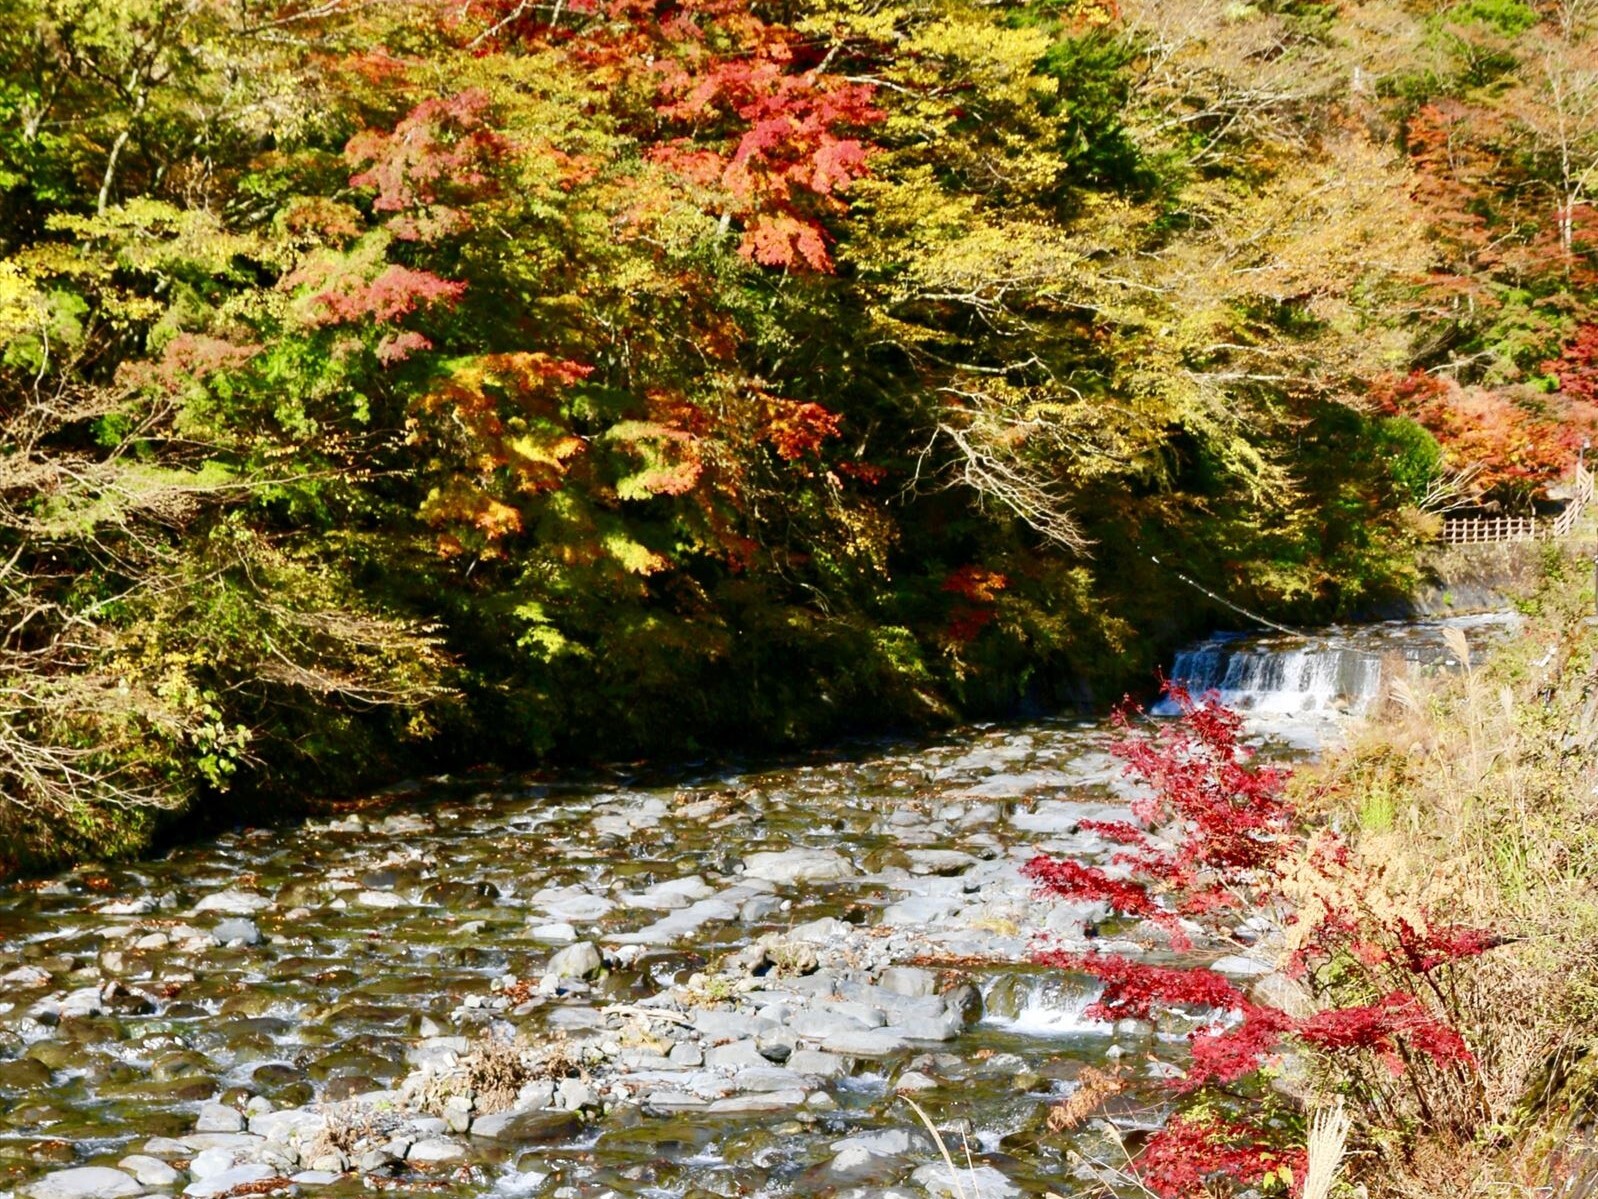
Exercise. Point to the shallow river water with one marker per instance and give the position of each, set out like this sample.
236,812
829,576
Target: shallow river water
721,984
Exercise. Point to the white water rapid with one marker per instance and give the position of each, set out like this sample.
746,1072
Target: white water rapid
1337,672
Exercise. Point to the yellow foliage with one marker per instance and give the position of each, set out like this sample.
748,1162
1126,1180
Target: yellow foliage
22,308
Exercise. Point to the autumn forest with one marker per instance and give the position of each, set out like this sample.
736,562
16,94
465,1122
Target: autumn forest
402,383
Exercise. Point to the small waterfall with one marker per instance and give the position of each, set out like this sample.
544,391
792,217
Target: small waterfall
1339,671
1041,1005
1278,680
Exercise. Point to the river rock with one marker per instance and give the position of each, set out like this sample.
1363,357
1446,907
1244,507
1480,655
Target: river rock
209,1162
709,1035
142,906
799,866
984,1181
820,1024
233,903
553,934
854,1167
760,907
581,960
576,1095
83,1182
683,923
734,1055
1236,965
926,1028
151,1171
765,1078
965,1003
686,1053
817,1064
24,1073
167,1147
572,905
769,1101
527,1127
828,928
716,1025
376,1161
85,1001
891,1142
221,1183
939,861
535,1095
672,894
432,1153
921,909
457,1115
237,929
674,1101
219,1117
876,1157
910,981
778,1044
871,1042
190,939
235,1142
288,1126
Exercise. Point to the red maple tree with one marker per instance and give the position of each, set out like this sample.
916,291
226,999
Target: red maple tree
1215,833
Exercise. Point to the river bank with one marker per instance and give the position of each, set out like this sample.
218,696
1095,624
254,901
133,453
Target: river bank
1451,583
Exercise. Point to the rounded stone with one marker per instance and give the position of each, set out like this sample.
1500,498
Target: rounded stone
84,1182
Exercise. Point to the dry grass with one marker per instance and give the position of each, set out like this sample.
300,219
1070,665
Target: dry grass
496,1070
1475,795
346,1128
1094,1087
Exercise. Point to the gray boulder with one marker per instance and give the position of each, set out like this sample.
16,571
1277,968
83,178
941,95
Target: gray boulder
219,1117
151,1171
984,1180
910,981
799,866
220,1184
433,1152
237,928
83,1182
581,960
233,903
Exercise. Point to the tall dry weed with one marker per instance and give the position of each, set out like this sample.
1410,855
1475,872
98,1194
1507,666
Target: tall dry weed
1328,1140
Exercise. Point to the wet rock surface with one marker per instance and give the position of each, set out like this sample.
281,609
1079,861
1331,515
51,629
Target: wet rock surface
584,990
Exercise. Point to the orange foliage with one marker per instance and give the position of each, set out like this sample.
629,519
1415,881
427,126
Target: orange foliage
798,429
498,418
1517,441
978,589
977,584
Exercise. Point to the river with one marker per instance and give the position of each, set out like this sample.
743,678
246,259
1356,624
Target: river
751,967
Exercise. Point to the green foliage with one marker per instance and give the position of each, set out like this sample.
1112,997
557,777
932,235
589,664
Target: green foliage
1504,16
1414,458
